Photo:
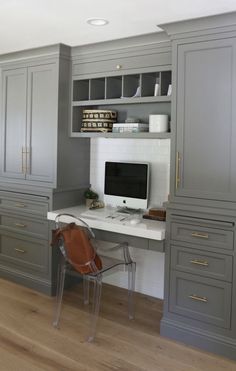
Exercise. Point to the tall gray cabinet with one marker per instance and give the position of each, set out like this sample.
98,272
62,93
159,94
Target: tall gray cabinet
29,109
41,167
200,273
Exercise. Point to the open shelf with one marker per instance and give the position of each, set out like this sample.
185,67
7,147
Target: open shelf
131,95
144,135
100,102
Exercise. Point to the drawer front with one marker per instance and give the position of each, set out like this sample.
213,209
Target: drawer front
29,255
120,64
25,225
23,205
205,236
202,263
202,299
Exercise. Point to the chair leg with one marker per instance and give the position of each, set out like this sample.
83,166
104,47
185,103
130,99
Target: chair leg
96,307
86,289
131,288
60,289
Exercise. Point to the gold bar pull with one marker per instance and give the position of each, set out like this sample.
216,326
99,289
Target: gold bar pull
27,169
20,250
177,177
200,262
20,225
203,299
200,235
19,204
23,160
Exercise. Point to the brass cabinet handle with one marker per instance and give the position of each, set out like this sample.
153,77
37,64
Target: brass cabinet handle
23,160
20,225
203,299
200,235
19,204
27,152
20,250
177,177
200,262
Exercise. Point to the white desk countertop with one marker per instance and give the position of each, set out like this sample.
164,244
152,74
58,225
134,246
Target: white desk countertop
100,219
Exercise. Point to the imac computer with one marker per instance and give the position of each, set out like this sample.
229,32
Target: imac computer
126,184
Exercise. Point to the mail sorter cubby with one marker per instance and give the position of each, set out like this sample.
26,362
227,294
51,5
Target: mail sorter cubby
124,86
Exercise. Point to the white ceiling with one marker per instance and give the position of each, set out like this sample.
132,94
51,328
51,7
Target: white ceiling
30,23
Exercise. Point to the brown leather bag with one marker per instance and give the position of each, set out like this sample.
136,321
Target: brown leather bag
79,249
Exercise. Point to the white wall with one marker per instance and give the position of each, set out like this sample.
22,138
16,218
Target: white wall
150,264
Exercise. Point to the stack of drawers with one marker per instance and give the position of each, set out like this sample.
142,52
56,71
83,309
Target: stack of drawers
201,253
24,233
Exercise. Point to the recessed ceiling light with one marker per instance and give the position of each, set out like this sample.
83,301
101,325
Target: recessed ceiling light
97,21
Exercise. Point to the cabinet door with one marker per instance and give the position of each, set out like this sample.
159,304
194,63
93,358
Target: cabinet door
14,92
206,120
42,122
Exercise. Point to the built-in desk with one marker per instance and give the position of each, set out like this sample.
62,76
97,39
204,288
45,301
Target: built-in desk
148,234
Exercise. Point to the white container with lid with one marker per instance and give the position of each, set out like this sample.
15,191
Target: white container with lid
158,123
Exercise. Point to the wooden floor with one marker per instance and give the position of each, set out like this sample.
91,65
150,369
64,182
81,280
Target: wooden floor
28,342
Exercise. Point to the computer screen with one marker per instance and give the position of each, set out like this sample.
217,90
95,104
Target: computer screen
126,184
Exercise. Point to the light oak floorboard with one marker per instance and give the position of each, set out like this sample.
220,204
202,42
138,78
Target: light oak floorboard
28,341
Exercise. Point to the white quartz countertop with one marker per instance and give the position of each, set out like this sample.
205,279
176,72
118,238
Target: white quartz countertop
108,219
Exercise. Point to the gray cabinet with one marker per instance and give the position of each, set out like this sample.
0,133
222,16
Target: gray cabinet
25,254
29,111
199,279
41,168
206,300
205,120
200,271
35,112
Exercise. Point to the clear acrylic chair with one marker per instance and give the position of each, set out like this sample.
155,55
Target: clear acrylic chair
66,266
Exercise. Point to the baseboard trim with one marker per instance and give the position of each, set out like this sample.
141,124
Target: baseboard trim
38,284
205,340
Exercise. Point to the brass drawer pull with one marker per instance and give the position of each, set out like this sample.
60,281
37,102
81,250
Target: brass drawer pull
200,235
177,176
20,250
200,262
19,225
203,299
19,204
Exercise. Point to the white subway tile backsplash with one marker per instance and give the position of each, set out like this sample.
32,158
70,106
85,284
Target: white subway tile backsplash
150,264
154,151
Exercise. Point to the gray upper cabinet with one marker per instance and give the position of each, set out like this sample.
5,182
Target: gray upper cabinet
205,120
14,122
29,114
41,114
35,111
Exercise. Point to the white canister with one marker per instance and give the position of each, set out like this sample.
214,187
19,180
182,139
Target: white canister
158,123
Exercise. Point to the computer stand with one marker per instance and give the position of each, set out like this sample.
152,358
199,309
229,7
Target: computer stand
128,210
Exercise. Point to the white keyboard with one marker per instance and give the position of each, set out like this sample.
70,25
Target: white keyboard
106,215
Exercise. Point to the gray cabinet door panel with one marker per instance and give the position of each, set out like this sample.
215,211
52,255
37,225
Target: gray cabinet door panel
41,122
206,116
203,299
23,206
202,236
34,227
206,264
19,252
119,65
14,85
